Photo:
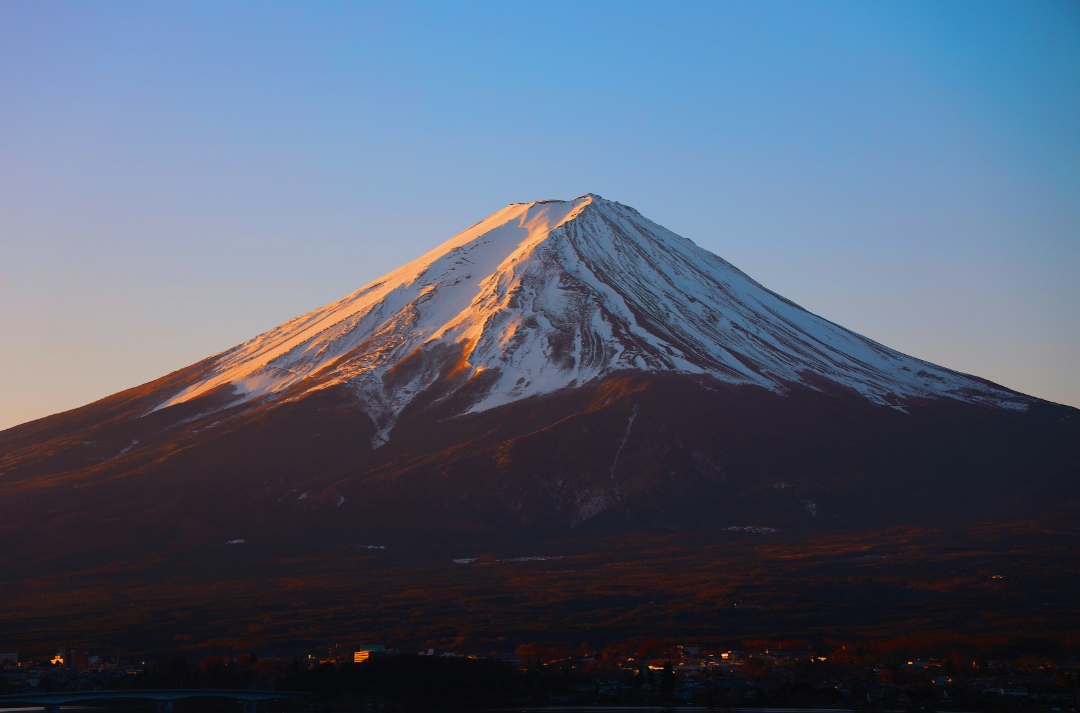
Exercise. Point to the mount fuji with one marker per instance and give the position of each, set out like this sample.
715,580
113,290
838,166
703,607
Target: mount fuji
564,380
557,363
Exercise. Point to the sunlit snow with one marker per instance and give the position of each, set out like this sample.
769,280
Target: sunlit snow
543,296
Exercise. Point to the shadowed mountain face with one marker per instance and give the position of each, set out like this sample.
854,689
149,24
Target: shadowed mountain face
561,371
629,452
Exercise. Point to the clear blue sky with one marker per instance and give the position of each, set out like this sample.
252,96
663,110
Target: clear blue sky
177,177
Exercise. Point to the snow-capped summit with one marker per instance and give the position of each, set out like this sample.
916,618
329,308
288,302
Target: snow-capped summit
548,295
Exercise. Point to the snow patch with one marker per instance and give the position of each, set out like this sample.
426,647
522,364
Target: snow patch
532,558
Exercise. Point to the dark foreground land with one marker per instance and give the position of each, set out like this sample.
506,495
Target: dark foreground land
991,582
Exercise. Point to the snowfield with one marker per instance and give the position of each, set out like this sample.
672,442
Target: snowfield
555,294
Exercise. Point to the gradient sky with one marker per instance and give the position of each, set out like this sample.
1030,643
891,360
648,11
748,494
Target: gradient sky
178,177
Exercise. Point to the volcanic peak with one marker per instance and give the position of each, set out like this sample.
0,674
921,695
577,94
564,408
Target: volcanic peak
548,295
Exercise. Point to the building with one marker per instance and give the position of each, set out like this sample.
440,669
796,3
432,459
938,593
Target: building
366,652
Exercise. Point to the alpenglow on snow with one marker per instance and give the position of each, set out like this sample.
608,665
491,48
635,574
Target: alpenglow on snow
550,295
